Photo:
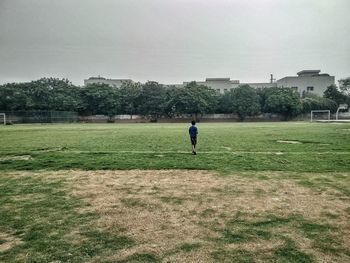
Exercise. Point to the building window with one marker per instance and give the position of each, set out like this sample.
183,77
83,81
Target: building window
218,90
310,88
225,90
295,88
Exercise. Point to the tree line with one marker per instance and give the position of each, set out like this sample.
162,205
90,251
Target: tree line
154,100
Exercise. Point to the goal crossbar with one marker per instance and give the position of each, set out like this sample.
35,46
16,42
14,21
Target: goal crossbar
320,111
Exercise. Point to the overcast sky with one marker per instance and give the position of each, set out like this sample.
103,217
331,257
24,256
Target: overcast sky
172,41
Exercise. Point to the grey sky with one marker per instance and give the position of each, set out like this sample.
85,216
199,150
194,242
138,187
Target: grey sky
172,41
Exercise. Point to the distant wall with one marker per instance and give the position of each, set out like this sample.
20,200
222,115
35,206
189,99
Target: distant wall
202,118
41,116
179,119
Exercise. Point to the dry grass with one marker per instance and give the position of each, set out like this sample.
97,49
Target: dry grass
8,241
164,209
16,158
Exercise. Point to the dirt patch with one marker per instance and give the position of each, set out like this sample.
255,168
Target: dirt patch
164,209
16,158
290,142
226,148
8,241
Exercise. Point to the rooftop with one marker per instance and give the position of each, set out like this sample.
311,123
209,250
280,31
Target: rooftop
217,79
309,72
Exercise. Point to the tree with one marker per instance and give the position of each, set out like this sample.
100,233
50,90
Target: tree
344,86
284,101
152,100
12,97
315,102
172,95
129,97
245,101
195,99
333,93
225,104
61,94
43,94
100,98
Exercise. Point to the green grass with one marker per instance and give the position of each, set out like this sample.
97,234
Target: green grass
222,146
187,247
44,215
290,253
268,227
133,202
144,257
238,255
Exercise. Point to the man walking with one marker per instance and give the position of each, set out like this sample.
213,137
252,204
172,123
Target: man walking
193,131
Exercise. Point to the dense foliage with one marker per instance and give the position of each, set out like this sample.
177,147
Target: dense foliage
245,101
313,102
154,100
339,96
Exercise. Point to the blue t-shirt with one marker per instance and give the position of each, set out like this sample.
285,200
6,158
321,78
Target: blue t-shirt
193,131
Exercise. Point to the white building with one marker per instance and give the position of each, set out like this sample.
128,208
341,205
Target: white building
307,81
113,82
220,84
262,85
223,85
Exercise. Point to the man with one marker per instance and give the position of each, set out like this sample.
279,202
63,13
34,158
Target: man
193,131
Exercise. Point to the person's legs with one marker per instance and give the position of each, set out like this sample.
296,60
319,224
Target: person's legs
194,142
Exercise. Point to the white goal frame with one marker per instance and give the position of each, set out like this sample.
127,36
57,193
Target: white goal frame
341,107
315,111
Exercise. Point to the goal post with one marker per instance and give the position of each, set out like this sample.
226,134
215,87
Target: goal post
3,118
321,111
341,107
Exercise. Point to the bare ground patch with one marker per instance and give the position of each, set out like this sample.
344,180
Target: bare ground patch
163,210
289,142
16,158
8,241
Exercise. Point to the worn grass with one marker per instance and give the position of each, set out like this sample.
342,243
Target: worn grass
39,222
129,216
250,195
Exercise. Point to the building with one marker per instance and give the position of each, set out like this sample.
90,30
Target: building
223,85
262,85
308,81
113,82
219,84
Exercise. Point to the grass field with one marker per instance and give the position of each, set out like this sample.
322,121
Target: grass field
255,192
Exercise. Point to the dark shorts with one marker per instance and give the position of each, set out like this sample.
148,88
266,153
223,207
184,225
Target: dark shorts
193,140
